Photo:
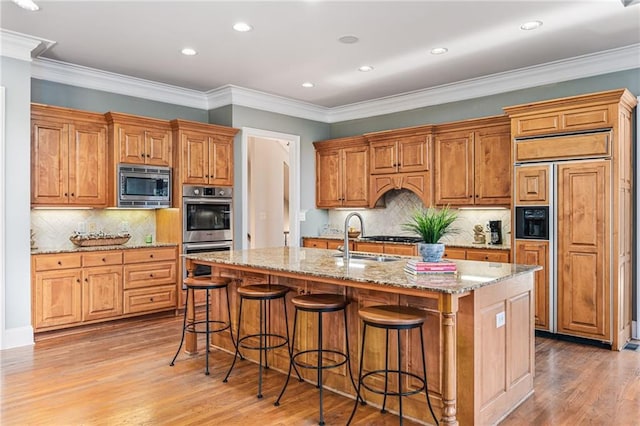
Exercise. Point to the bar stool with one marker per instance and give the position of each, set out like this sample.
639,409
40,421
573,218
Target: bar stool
319,303
263,293
207,283
392,317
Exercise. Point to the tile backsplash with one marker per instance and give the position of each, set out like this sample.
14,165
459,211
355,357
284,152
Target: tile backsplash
52,228
400,204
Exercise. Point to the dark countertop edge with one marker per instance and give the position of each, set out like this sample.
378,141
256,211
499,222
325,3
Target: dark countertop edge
457,245
75,249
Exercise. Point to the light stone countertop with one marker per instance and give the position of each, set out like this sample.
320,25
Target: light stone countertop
322,263
72,248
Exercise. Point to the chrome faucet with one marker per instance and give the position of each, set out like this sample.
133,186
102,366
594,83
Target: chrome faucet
346,232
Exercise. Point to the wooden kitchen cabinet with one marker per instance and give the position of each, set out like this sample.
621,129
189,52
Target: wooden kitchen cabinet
149,279
205,153
530,252
140,140
70,288
472,163
325,243
400,159
532,185
485,255
68,157
342,173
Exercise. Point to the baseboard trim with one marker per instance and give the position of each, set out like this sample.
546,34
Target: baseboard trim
16,337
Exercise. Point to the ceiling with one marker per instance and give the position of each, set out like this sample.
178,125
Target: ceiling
297,41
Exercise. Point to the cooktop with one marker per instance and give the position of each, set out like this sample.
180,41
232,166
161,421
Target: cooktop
393,238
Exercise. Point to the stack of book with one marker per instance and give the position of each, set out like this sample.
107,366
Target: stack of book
418,267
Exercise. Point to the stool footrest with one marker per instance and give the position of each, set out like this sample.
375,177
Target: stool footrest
323,366
282,341
192,327
392,393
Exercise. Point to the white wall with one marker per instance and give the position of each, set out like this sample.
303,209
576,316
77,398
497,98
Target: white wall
16,78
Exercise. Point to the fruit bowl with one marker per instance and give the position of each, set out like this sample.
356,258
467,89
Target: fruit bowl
353,234
100,239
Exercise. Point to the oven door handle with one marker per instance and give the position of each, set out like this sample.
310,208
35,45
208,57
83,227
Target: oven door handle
206,246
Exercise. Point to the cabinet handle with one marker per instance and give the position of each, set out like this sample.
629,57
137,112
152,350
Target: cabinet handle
73,195
66,195
151,256
104,260
142,155
151,299
59,262
150,275
86,280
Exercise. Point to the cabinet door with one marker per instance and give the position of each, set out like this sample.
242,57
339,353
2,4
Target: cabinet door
355,177
102,292
454,169
493,167
220,162
369,247
195,158
584,293
454,253
157,150
57,298
402,249
314,243
49,162
413,154
88,165
532,185
383,157
131,140
328,178
537,253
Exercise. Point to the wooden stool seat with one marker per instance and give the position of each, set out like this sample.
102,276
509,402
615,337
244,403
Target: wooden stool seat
205,282
263,291
319,302
392,315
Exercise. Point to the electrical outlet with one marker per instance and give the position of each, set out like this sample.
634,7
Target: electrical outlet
500,319
303,215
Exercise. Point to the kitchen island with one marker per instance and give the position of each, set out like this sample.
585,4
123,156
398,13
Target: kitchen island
479,332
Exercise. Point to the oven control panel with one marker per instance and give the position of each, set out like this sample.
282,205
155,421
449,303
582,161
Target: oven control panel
206,191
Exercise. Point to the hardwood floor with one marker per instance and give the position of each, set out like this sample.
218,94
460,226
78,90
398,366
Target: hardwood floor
120,375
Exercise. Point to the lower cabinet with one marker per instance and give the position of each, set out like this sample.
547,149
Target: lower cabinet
325,243
70,289
149,279
485,255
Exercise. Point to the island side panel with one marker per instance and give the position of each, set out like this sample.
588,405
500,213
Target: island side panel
503,347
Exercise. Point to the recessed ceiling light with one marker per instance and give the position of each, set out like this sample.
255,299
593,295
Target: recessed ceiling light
308,84
348,39
365,68
439,50
189,51
242,27
27,4
531,25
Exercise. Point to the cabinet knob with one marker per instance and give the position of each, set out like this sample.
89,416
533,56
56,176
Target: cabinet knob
104,260
151,299
78,280
486,258
477,195
86,280
148,155
73,195
470,196
60,262
150,275
66,194
142,155
151,256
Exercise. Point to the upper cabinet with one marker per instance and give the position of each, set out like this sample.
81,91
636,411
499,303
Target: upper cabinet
342,173
68,157
140,140
205,153
472,162
400,158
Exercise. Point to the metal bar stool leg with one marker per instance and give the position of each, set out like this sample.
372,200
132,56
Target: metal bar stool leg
235,345
320,365
235,356
262,344
386,371
207,336
293,341
355,405
424,369
184,329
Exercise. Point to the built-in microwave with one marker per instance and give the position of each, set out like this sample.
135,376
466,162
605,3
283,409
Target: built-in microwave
144,186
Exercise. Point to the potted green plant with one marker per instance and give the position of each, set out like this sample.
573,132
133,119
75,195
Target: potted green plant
431,225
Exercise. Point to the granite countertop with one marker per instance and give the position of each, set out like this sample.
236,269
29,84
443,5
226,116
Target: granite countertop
72,248
447,244
322,263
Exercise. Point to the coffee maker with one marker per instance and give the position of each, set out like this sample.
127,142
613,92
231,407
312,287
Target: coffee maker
495,232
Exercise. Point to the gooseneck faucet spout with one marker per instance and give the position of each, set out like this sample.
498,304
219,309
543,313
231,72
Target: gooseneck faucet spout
345,254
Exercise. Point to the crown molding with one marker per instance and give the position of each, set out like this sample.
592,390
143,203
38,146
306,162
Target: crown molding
91,78
22,46
553,72
250,98
570,69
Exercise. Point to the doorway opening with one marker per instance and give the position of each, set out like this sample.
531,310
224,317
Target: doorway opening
271,178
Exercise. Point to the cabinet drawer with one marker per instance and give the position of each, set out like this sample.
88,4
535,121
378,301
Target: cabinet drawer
455,253
488,255
370,247
149,274
102,258
50,262
150,255
322,244
401,249
149,299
